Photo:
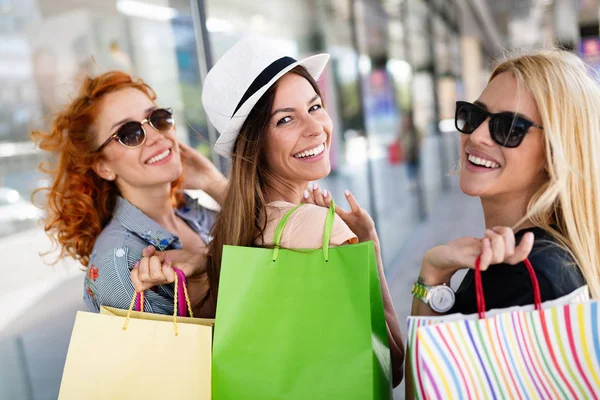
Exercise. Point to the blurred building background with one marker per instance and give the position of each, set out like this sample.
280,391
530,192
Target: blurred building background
397,68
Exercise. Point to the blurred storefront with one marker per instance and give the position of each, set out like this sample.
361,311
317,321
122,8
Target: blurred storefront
48,46
390,61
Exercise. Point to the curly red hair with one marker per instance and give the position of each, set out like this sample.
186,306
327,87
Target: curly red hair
80,203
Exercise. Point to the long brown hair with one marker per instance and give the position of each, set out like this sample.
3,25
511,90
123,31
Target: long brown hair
242,221
79,202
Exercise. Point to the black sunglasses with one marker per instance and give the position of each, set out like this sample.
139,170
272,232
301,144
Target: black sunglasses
506,128
132,134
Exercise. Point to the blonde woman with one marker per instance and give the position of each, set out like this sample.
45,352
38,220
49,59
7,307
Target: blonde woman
529,150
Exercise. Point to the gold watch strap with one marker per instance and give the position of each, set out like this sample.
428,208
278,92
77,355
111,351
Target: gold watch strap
420,291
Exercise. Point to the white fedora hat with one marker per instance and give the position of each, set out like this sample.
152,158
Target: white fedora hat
239,79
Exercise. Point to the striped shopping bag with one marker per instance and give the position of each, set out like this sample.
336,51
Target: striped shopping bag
548,350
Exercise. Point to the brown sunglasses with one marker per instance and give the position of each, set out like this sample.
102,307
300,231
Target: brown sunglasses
132,134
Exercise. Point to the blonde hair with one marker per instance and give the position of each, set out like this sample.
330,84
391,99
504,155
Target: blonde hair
568,100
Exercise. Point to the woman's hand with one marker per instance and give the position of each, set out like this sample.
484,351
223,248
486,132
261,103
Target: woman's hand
317,196
156,267
201,174
497,246
358,219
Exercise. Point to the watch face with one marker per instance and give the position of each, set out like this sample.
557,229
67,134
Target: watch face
441,299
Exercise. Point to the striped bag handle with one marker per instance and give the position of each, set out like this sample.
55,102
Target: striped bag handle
537,297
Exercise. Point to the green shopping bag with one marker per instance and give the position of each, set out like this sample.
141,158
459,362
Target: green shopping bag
300,324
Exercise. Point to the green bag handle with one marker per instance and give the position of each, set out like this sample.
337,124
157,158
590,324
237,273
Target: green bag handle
326,231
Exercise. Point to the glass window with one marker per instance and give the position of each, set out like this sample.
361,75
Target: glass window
47,47
229,20
421,58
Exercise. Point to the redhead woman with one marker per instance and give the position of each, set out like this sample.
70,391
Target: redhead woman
116,188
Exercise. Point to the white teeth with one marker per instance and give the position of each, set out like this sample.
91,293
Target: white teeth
482,162
312,152
159,157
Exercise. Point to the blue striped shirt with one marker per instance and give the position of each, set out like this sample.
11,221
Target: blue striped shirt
119,246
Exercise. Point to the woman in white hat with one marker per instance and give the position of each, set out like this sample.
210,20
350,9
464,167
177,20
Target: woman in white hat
269,111
274,128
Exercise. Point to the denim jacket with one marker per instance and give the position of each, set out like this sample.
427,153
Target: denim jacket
119,246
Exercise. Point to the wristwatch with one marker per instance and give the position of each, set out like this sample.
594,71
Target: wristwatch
439,297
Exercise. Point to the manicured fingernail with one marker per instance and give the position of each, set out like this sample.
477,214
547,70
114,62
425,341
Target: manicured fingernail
530,236
306,194
316,186
310,186
347,192
149,247
137,264
325,193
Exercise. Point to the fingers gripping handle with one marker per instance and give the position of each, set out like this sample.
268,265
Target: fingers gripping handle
537,297
181,301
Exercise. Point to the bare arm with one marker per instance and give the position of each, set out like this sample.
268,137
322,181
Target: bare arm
200,173
218,188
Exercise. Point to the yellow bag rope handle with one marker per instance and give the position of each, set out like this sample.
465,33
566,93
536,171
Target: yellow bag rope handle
187,299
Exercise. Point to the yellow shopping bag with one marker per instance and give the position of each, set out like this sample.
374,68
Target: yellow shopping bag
124,354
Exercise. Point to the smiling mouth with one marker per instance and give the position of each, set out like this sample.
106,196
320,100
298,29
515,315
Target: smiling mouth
159,157
311,152
482,162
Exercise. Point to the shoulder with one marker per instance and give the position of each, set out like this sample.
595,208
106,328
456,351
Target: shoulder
546,248
311,211
305,227
278,209
554,266
313,217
